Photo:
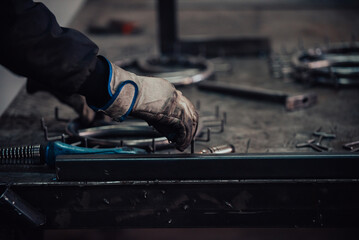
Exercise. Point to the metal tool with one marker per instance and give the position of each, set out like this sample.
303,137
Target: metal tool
179,70
352,146
334,65
321,136
311,143
222,149
291,102
317,144
46,154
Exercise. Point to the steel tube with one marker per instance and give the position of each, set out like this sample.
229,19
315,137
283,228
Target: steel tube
207,167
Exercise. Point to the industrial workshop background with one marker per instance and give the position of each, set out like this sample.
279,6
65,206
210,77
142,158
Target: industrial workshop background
276,84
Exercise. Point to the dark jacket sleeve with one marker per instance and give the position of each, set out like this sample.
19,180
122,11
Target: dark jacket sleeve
34,45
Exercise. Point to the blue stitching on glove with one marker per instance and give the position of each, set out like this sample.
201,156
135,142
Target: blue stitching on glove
123,117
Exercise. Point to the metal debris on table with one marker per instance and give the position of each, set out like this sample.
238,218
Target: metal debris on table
316,144
336,64
352,146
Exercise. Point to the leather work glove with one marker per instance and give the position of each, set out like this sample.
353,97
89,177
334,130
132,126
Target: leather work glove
154,100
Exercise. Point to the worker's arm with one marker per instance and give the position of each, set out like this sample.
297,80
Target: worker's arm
63,61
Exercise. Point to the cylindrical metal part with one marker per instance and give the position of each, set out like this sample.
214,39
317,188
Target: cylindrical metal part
244,91
222,149
167,26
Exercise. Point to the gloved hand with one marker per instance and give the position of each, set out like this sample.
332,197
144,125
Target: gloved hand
154,100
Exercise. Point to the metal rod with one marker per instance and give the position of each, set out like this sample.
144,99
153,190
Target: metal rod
244,91
290,102
167,26
200,166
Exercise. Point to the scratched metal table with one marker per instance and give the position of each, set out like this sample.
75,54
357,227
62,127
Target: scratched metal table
273,192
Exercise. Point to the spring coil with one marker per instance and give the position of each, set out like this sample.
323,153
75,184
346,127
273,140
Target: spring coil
27,155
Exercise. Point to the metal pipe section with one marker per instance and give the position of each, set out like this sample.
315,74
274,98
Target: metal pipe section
167,26
291,102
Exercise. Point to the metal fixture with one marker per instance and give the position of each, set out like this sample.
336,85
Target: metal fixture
170,43
311,143
336,65
179,70
131,133
317,144
291,102
352,146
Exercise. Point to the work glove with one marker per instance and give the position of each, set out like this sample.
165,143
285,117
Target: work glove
154,100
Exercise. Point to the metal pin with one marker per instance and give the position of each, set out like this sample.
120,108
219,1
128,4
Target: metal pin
76,143
306,144
351,145
44,128
310,143
221,129
324,134
192,147
205,139
225,117
153,145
